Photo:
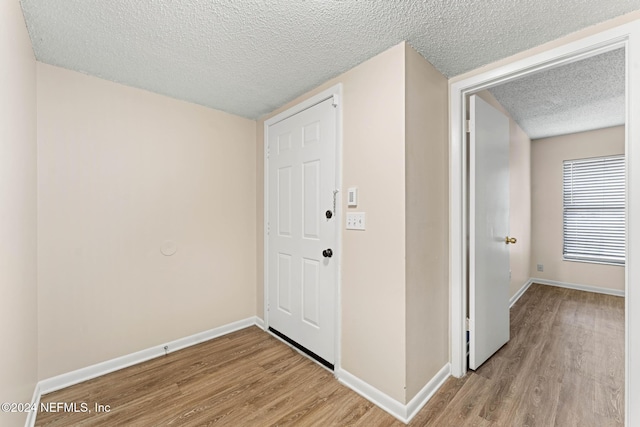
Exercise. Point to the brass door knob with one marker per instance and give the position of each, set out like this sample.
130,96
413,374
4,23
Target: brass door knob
511,240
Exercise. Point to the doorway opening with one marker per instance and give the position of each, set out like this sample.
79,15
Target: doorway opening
624,37
556,183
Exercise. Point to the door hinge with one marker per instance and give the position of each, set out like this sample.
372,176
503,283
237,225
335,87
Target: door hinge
268,151
467,324
468,126
336,101
268,228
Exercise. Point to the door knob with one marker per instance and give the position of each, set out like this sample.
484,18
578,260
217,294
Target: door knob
511,240
327,253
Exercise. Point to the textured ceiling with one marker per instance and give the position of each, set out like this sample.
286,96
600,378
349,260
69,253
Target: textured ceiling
249,57
581,96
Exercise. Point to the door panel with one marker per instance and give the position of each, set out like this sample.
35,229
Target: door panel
310,289
284,201
284,282
302,179
311,195
488,228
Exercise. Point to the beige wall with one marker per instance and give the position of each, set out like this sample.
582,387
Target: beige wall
547,156
427,216
519,199
519,206
374,286
373,261
121,171
18,309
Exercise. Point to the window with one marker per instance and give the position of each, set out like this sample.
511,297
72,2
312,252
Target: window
593,210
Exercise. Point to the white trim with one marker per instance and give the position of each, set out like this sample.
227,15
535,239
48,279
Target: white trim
372,394
80,375
457,236
520,292
35,403
265,232
628,36
632,272
402,412
340,210
578,287
334,92
387,403
458,92
427,392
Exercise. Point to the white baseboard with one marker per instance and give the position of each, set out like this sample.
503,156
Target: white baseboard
372,394
75,377
520,292
578,287
35,403
427,392
400,411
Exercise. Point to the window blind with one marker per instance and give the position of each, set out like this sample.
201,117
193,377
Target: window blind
594,209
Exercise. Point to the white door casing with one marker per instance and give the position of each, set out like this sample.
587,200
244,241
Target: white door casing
488,229
626,36
303,221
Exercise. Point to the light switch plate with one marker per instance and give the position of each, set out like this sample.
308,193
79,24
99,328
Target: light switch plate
356,220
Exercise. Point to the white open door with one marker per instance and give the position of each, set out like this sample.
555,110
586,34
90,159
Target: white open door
302,230
488,231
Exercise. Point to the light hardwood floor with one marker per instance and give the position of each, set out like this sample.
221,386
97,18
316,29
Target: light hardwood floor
564,366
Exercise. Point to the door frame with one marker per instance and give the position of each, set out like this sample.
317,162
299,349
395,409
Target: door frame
627,36
334,92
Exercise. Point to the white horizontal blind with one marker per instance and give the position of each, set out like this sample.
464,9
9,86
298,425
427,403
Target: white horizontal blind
594,214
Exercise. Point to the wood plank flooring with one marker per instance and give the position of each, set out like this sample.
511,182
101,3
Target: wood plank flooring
564,366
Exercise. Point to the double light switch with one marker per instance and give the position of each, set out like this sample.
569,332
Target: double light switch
356,220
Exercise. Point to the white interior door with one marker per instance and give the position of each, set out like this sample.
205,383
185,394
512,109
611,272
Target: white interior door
302,229
488,229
